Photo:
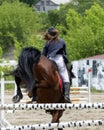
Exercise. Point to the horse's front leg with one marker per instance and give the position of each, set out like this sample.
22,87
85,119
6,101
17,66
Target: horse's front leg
56,114
18,96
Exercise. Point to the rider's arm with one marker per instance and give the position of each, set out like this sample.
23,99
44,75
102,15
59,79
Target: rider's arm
45,50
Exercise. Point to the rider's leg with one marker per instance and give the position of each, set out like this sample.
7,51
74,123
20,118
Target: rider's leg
64,74
67,92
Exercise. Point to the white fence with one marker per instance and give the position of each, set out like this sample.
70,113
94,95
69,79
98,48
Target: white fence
3,121
4,106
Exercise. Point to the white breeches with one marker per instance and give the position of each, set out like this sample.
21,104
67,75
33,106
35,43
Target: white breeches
61,67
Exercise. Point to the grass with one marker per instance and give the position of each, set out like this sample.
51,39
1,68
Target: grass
93,90
9,86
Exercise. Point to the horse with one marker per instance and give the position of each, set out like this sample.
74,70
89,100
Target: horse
41,77
19,83
40,74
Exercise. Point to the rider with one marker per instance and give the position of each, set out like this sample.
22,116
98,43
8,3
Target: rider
55,49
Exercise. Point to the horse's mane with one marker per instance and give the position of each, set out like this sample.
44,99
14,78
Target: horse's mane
27,58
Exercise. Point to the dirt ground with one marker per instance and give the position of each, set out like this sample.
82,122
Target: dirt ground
30,117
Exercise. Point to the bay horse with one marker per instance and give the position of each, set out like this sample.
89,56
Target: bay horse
20,83
40,75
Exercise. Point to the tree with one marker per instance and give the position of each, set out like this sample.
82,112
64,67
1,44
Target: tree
85,37
19,26
29,2
9,1
59,16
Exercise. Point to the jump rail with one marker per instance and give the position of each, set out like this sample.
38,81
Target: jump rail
56,125
83,90
51,106
79,91
78,88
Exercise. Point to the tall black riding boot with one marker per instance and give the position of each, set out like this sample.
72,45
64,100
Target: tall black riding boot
67,92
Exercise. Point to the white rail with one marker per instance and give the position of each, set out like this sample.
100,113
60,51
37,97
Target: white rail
58,106
56,125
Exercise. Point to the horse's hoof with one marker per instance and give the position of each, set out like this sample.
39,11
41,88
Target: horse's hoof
16,99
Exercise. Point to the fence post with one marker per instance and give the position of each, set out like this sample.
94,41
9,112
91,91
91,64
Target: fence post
89,84
2,95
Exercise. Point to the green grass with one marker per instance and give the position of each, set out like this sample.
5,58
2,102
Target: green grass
9,86
93,90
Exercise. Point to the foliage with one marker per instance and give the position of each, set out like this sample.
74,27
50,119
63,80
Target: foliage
5,69
80,6
19,25
80,24
93,90
44,21
29,2
53,17
1,52
84,33
9,1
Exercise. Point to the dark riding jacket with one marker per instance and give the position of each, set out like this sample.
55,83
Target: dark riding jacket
53,48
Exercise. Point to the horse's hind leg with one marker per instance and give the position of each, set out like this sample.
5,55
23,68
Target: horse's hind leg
56,114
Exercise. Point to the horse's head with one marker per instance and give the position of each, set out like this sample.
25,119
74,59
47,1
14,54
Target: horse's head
28,57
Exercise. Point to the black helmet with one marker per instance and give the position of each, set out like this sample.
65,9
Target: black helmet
52,31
